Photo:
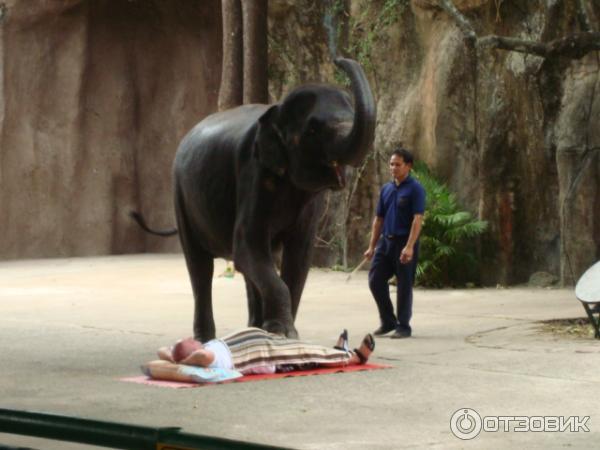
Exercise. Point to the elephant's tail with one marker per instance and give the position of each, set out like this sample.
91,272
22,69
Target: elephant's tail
142,223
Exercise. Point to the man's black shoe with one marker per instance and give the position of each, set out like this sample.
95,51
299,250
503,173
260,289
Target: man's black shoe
383,330
401,334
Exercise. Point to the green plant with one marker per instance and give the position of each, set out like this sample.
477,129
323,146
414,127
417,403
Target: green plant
447,255
367,29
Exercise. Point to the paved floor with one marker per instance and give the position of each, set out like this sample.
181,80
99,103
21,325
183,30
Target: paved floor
70,328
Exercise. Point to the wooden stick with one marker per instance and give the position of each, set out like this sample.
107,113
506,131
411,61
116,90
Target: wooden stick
362,263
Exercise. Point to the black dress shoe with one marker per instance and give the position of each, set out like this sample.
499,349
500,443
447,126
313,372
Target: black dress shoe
383,330
401,334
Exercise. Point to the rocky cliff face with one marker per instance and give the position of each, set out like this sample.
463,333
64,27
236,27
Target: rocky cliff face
514,135
95,96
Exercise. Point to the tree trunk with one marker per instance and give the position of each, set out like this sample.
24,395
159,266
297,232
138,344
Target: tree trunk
231,89
254,13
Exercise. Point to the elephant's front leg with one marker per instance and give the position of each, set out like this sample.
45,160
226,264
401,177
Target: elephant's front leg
255,306
252,256
297,254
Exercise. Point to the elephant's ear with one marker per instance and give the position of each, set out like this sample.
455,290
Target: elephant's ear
297,106
269,145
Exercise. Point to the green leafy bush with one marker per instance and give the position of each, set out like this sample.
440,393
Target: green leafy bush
448,252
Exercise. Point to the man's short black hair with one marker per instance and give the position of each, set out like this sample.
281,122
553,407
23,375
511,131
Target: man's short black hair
403,153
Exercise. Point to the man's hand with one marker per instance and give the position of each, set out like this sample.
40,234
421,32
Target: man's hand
406,255
202,358
375,233
166,354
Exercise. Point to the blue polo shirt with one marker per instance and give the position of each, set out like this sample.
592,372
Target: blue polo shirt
399,204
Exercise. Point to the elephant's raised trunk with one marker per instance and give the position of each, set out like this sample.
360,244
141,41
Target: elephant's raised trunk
357,144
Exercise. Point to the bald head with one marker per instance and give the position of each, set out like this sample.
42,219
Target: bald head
184,348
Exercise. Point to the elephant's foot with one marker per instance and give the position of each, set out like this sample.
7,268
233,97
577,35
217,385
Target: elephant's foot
278,327
204,334
255,322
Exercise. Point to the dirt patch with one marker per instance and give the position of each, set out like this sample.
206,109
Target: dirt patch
578,328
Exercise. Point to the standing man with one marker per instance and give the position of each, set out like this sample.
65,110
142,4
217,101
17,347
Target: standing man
394,244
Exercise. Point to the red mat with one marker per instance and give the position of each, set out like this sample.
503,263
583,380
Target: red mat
142,379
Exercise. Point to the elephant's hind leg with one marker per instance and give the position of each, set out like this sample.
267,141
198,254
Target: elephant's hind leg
200,267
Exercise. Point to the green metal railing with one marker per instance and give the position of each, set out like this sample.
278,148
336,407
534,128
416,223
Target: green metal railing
111,434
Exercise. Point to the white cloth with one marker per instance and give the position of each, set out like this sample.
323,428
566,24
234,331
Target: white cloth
223,358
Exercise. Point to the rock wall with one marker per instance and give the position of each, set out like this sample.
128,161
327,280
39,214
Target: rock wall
514,135
95,96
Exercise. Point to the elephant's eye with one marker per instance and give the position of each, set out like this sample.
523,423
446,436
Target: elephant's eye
313,127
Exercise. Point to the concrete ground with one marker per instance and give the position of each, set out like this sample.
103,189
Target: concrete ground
71,328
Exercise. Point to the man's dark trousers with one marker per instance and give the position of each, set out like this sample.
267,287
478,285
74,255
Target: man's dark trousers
386,263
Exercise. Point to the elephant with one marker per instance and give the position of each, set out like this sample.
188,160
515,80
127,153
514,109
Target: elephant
251,180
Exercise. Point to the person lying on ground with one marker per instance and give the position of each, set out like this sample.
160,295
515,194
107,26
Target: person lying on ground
252,350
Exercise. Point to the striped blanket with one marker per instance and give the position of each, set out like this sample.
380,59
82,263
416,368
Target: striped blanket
253,347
